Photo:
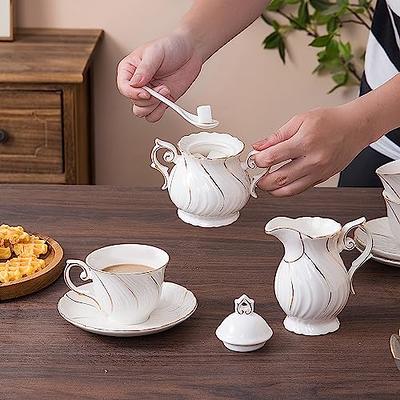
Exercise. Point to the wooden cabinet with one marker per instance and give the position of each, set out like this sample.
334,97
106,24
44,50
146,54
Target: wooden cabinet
45,130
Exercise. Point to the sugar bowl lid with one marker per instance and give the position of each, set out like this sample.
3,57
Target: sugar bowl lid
244,330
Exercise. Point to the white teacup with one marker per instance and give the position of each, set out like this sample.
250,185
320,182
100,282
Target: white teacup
126,297
393,213
389,174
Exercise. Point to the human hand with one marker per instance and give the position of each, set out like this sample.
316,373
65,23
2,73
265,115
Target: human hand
316,144
169,65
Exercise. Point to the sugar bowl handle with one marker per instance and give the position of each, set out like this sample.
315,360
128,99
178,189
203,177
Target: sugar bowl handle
84,276
169,156
348,243
251,164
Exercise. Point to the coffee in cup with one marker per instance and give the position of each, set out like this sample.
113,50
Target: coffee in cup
128,268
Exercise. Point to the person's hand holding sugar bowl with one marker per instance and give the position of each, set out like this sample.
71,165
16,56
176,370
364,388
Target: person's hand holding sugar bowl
315,145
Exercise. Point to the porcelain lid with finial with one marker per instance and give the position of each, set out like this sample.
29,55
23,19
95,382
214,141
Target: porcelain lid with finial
244,330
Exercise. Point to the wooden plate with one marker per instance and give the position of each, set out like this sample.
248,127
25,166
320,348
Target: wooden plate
39,280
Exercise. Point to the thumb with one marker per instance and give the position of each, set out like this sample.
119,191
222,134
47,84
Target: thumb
285,132
150,63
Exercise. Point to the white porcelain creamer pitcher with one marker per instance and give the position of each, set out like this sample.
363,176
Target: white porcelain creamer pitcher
208,183
312,284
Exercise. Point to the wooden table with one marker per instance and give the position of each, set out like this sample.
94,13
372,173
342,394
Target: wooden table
44,357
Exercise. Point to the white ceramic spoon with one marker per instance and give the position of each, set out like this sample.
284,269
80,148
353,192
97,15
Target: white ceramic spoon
202,120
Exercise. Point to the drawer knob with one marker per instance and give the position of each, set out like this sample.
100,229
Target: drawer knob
3,136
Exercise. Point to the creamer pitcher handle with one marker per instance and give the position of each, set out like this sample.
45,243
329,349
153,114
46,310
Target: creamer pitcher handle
347,243
169,156
250,164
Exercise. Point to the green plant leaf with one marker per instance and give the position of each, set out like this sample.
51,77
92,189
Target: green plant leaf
345,50
275,5
341,78
329,58
321,41
320,5
320,19
275,24
332,49
282,50
334,88
296,24
359,10
303,15
319,68
332,24
335,9
272,40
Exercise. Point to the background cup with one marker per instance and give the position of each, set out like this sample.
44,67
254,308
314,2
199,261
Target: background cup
125,297
393,213
389,174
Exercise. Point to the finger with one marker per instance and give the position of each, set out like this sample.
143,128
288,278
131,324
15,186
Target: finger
285,175
151,61
153,100
144,111
134,94
125,71
283,133
157,113
278,153
296,187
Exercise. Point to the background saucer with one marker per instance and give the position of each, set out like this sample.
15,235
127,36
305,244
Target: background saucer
384,245
382,260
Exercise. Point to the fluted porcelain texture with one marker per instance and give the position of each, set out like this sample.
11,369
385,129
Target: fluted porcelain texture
312,284
209,187
128,298
389,174
393,213
207,192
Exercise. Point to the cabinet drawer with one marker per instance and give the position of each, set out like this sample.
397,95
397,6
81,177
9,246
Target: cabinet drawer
31,132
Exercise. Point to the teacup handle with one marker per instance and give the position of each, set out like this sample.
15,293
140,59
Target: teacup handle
169,156
348,243
84,276
251,164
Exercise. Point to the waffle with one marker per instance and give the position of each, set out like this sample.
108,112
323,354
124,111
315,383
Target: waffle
5,253
19,267
21,251
12,235
35,247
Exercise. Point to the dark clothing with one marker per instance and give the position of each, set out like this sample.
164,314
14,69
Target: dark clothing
382,62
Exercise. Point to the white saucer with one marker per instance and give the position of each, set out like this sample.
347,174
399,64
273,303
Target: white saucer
176,305
385,249
381,260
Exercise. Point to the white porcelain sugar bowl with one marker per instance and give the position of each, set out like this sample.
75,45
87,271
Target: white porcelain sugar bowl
244,330
208,183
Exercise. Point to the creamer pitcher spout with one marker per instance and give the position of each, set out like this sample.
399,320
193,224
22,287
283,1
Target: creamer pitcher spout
284,229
